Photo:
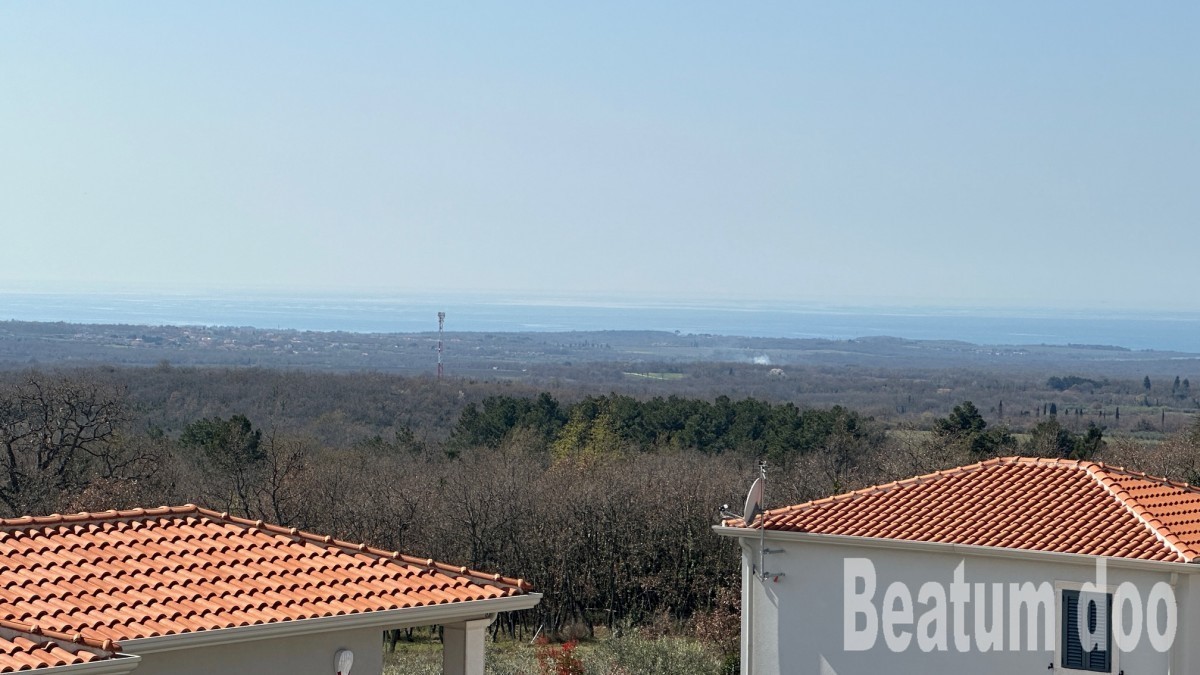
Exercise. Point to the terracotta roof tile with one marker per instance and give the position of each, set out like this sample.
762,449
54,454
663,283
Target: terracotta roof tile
31,647
1063,506
120,575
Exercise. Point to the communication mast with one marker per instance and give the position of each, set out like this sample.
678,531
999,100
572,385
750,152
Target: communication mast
441,324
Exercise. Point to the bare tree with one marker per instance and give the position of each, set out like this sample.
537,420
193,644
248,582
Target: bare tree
51,429
282,488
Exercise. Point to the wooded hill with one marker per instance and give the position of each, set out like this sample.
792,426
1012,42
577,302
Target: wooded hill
605,501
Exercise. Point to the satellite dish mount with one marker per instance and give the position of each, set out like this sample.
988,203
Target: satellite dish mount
754,511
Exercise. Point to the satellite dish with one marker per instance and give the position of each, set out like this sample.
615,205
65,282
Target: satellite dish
342,660
753,502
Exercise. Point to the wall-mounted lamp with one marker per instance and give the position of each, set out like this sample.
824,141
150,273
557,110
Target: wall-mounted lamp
342,660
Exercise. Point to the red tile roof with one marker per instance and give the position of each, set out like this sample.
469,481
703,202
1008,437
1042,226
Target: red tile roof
146,572
1032,504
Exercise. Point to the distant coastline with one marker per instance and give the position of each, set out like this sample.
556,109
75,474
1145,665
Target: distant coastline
379,314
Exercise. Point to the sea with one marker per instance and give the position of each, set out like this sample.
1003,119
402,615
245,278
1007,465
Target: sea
1132,329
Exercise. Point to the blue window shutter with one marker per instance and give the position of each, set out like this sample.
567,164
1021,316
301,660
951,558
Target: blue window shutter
1073,655
1098,660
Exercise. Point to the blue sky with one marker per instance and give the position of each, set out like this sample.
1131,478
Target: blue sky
1008,154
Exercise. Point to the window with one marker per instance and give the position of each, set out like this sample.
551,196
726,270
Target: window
1099,622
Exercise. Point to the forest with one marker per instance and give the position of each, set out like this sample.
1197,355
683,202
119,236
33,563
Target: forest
604,500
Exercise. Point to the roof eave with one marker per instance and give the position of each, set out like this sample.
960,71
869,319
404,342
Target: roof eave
959,549
391,618
117,665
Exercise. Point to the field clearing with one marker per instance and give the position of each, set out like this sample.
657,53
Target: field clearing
656,376
909,435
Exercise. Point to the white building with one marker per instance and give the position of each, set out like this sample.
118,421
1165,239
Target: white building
981,569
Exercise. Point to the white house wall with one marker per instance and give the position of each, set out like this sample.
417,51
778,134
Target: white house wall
1187,651
299,655
795,624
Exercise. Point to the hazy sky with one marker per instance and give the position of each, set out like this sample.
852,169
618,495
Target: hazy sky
1013,153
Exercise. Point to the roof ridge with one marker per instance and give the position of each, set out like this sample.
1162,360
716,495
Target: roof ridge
1160,531
24,522
1142,516
328,540
130,574
1110,468
881,488
1103,475
94,516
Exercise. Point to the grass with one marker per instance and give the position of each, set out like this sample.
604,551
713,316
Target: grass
630,654
425,658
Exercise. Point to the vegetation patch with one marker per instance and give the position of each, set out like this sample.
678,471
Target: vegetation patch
604,501
656,376
627,654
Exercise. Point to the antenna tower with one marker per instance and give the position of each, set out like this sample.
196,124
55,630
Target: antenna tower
441,324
